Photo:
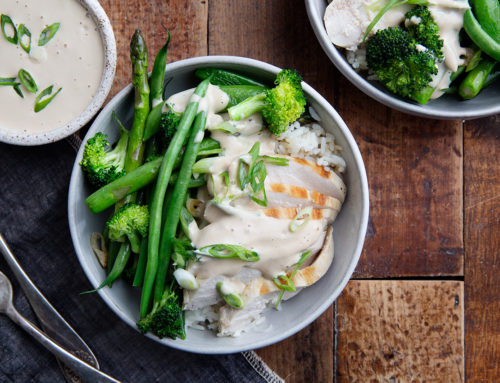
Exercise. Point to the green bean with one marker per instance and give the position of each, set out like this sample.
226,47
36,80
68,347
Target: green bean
457,73
177,201
159,193
475,79
225,77
482,39
487,13
494,76
112,252
158,75
141,264
139,59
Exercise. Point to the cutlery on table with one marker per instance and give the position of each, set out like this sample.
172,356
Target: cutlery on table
59,337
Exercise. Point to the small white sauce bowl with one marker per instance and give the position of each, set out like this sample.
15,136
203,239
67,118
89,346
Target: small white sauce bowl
348,229
109,46
447,107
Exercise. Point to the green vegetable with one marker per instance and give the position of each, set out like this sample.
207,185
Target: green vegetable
185,219
284,283
8,81
141,263
224,77
6,20
101,165
487,13
226,251
44,98
113,249
474,60
426,32
301,261
280,106
159,194
18,90
169,122
130,221
239,93
21,32
139,59
457,74
113,192
158,75
233,299
27,80
253,174
494,76
48,33
482,39
475,79
301,219
166,318
392,54
177,201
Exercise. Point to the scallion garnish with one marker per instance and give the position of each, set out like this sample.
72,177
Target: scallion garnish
27,80
226,127
8,81
230,251
47,34
279,161
284,283
225,178
23,34
301,261
209,152
17,89
6,20
254,174
301,219
231,297
42,100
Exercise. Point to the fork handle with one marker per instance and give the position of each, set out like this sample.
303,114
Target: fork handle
86,371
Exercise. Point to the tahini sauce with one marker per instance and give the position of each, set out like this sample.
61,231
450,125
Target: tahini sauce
73,59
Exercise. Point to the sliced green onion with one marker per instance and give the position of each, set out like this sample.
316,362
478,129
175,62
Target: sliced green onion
284,283
204,165
27,80
254,151
301,261
261,201
21,32
243,174
226,127
279,161
232,298
301,219
8,81
18,90
6,20
185,279
225,251
47,34
210,152
225,177
42,100
258,176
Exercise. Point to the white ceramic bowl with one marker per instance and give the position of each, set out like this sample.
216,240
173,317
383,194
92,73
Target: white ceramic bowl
296,313
59,132
446,107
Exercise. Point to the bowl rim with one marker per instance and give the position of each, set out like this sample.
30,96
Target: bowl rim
109,46
337,58
313,94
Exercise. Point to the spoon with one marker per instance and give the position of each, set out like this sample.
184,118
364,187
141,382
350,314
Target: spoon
83,369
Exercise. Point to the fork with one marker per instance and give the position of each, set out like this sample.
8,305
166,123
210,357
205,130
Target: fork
86,371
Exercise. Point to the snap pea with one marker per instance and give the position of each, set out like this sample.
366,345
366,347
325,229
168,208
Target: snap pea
487,13
225,77
494,76
475,79
482,39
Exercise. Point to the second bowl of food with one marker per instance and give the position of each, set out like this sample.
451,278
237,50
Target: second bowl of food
269,219
416,59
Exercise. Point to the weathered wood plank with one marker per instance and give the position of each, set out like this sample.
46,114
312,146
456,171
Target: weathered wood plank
414,168
400,331
482,246
278,32
187,22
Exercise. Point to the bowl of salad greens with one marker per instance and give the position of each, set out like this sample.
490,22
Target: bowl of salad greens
121,227
432,58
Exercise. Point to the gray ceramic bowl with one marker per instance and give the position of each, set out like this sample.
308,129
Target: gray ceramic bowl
59,132
446,107
298,312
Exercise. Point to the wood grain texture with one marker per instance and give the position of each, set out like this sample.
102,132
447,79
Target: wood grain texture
482,256
186,20
400,331
414,169
308,356
279,33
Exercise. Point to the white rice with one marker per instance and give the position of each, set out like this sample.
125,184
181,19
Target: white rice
313,143
357,59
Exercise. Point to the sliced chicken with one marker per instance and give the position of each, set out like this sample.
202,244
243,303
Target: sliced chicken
282,195
308,175
291,213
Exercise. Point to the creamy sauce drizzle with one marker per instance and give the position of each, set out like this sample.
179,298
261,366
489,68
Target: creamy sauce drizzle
73,59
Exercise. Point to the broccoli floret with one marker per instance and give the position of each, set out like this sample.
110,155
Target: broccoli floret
130,221
102,165
166,318
280,106
405,70
169,122
422,27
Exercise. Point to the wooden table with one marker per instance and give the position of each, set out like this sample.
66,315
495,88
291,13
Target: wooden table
424,301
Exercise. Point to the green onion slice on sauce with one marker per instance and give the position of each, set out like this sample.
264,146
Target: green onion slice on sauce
233,299
24,37
301,261
301,219
27,80
230,251
6,20
44,98
8,81
278,161
47,34
17,89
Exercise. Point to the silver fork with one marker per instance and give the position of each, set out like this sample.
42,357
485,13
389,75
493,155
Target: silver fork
84,370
